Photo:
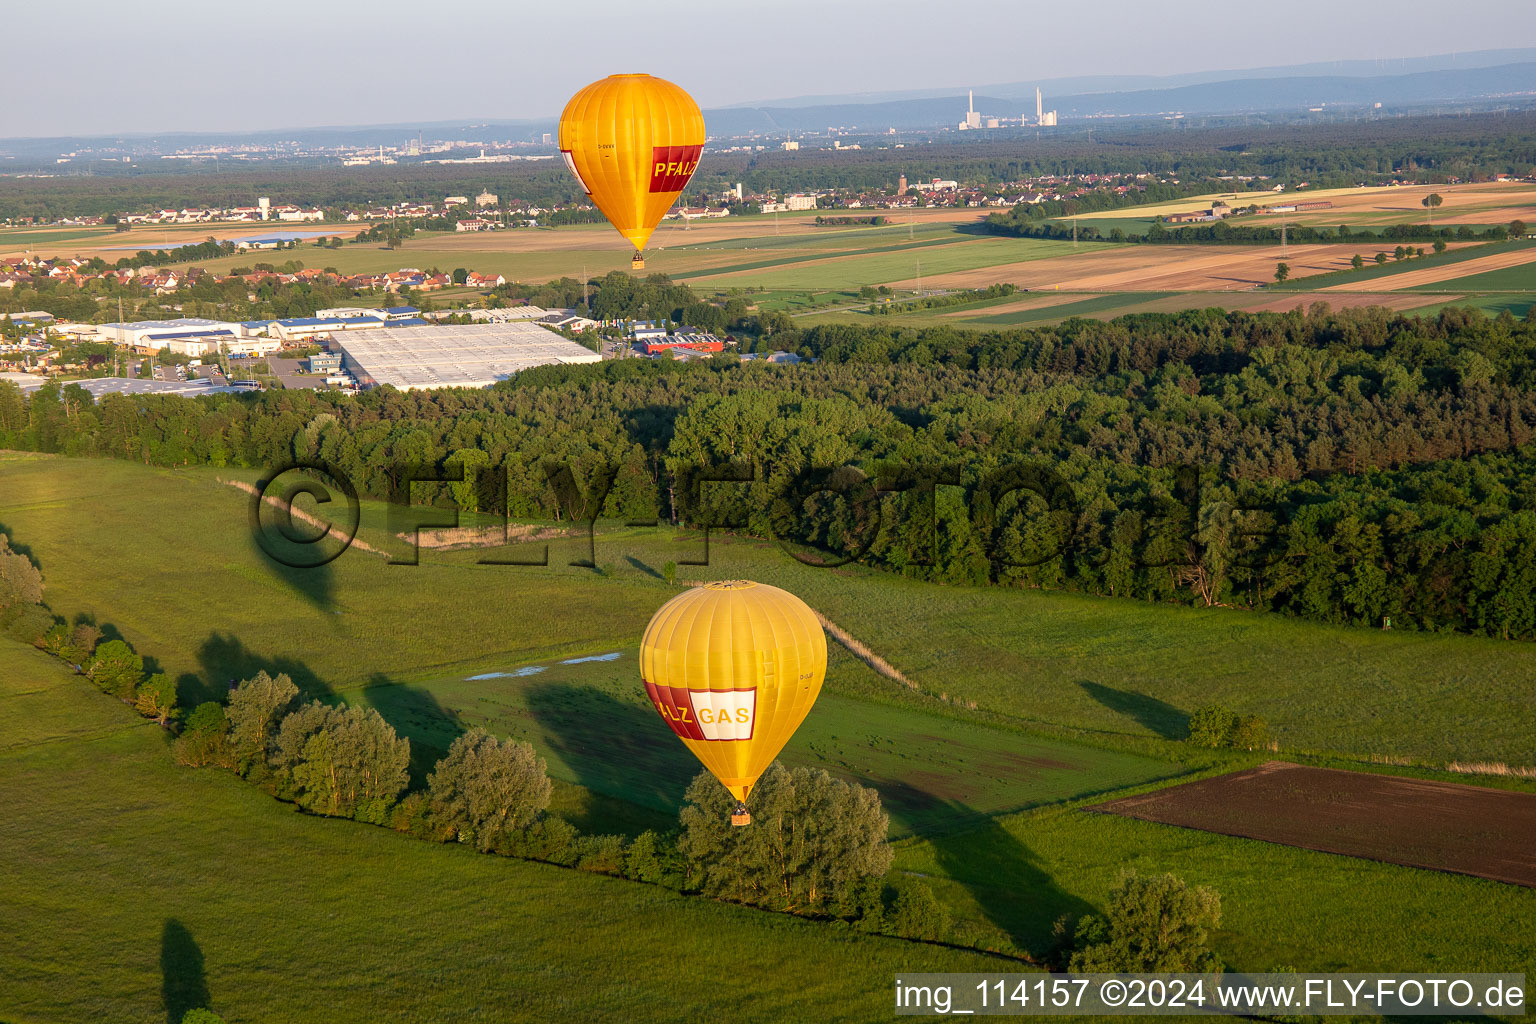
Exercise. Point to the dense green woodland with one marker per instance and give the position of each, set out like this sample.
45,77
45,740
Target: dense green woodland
1427,148
1343,466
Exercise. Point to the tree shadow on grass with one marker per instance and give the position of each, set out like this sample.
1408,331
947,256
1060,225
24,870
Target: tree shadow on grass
415,713
635,562
1010,882
183,985
1159,716
225,660
616,748
24,550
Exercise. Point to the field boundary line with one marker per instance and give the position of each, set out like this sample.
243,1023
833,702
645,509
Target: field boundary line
241,485
862,652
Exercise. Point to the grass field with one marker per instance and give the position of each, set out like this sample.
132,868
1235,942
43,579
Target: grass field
1282,908
135,888
144,854
593,724
193,591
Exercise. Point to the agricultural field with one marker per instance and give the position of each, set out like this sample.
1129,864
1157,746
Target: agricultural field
1415,822
816,271
1487,204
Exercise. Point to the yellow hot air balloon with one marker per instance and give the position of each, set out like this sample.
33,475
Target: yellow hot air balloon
733,668
633,141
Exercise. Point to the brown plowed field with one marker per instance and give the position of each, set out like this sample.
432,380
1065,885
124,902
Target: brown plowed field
1443,826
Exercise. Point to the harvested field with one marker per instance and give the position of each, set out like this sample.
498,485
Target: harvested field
1442,826
1338,300
1449,271
1155,268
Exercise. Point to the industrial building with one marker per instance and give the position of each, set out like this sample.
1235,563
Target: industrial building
157,334
303,328
100,386
453,356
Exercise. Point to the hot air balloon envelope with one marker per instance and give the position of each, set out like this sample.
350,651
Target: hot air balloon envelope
733,668
633,141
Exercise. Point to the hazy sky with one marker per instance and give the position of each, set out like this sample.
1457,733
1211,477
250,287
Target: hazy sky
94,67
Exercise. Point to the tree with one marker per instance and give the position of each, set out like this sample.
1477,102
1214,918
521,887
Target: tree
1439,246
1152,924
1380,257
344,761
205,738
811,837
1357,261
917,912
20,581
1282,271
256,710
1212,726
669,572
460,275
1431,202
485,788
157,698
115,669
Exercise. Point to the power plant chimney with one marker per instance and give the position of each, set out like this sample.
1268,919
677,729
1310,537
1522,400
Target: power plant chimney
1039,106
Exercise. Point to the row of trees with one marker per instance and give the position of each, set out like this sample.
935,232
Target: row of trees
111,664
817,845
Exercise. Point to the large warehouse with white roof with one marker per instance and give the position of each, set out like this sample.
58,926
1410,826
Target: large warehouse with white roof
469,356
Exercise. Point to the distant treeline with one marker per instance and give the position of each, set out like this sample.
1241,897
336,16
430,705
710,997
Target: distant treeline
1421,148
1341,466
876,221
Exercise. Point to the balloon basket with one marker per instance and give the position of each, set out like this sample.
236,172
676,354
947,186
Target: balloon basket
637,262
740,816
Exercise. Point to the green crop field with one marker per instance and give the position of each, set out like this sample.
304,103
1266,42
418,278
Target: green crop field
896,264
1508,279
135,889
19,239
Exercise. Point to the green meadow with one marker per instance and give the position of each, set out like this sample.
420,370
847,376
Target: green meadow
591,721
167,558
1028,706
135,889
